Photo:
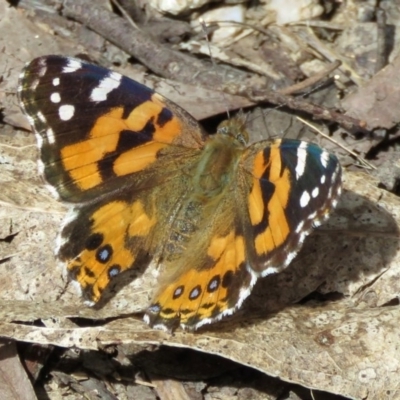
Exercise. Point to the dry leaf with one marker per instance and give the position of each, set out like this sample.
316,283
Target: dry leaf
377,101
14,383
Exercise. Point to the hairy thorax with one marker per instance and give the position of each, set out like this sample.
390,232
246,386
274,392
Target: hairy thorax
216,169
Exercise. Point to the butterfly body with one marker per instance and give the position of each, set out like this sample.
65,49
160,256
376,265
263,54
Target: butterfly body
217,167
147,185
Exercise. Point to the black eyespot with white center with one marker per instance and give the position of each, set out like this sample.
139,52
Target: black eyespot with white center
104,254
114,270
214,283
178,292
195,293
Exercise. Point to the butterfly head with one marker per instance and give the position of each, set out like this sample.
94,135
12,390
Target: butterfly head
235,128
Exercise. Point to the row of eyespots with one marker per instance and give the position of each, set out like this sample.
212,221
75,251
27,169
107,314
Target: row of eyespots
212,286
103,253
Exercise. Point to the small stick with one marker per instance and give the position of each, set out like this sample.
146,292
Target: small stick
312,80
381,58
360,159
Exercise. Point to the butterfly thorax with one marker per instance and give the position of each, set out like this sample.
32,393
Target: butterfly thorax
218,163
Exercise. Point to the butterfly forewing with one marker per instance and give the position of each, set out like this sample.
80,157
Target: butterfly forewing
293,186
97,130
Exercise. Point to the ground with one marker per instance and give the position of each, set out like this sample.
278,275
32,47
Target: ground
324,328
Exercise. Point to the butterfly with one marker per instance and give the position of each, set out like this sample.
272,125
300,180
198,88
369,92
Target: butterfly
147,185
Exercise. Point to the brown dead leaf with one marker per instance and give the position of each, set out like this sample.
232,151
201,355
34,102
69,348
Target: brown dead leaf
337,348
377,101
14,383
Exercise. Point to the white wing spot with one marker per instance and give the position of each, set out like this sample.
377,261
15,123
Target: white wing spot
56,81
30,120
312,216
42,67
72,66
53,191
50,136
268,271
66,112
299,227
292,254
315,192
324,158
323,179
301,159
304,199
40,167
55,97
71,215
108,84
39,140
41,116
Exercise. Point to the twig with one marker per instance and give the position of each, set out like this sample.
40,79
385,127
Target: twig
308,36
317,111
158,58
311,81
381,57
125,13
360,159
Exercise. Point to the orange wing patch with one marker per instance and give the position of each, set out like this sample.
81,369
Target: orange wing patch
168,131
278,228
106,251
81,159
204,292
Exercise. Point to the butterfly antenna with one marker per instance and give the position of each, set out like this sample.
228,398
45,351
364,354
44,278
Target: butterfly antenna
204,28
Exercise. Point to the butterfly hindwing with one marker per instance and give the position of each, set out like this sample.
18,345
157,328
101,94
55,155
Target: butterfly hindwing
103,240
211,278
